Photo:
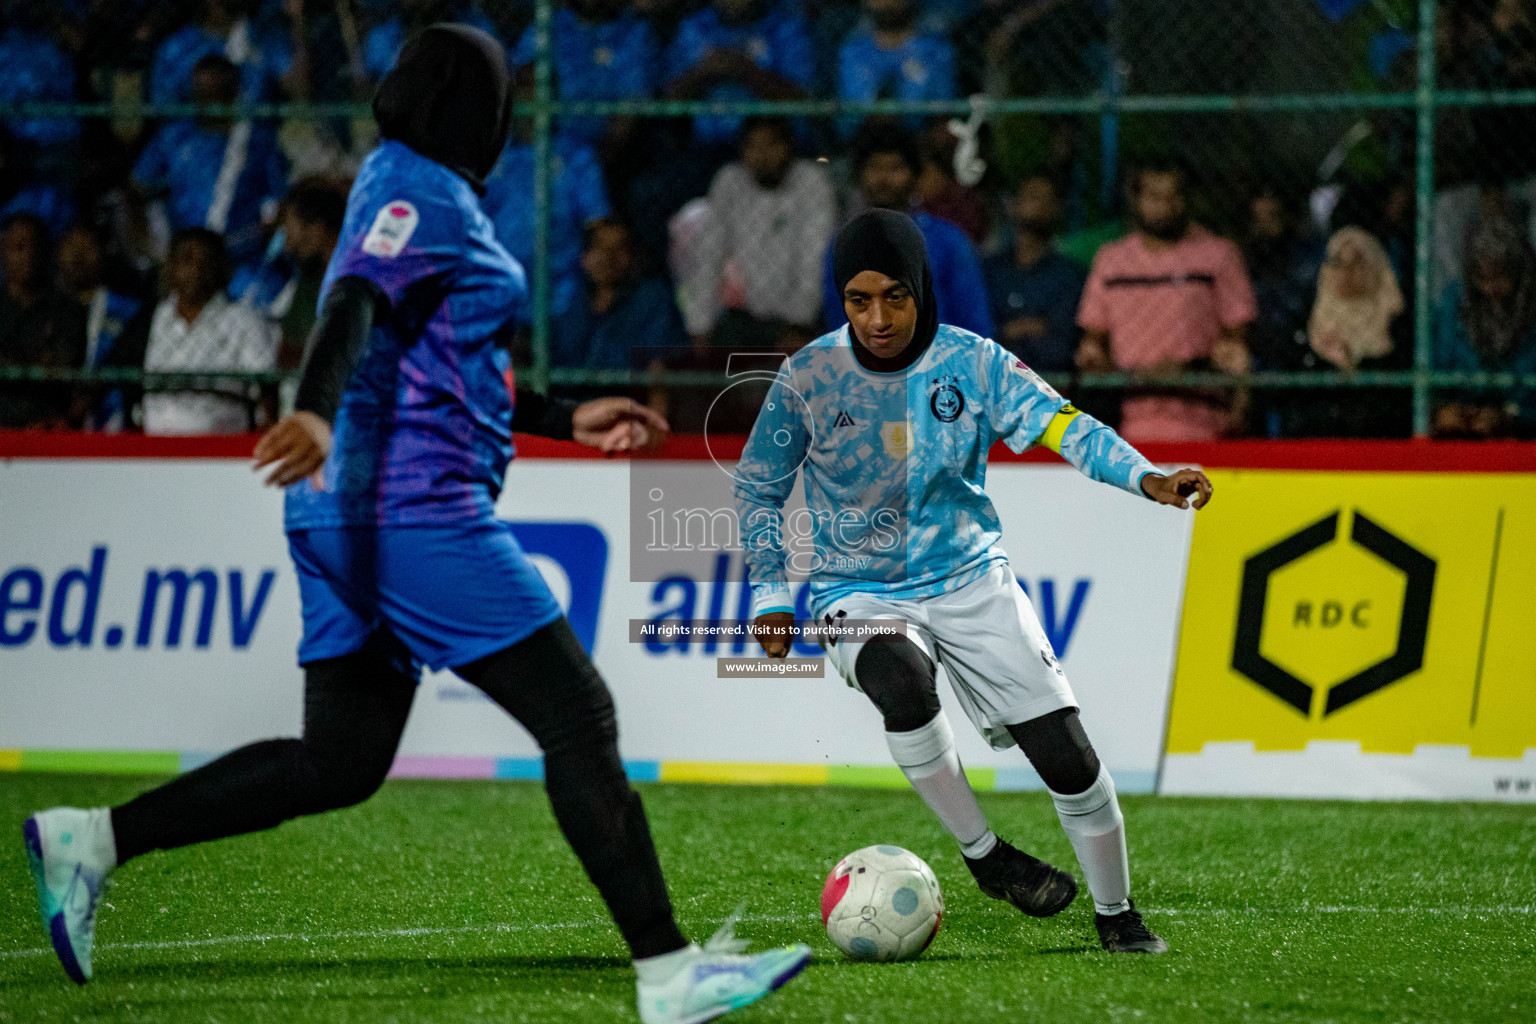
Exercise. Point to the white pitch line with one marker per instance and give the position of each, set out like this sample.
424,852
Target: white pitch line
1305,909
390,933
399,933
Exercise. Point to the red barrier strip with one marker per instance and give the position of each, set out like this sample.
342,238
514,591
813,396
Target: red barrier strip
1349,455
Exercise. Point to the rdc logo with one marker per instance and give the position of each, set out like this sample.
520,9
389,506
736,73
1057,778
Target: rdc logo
1333,613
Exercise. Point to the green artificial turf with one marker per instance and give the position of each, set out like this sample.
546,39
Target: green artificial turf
439,901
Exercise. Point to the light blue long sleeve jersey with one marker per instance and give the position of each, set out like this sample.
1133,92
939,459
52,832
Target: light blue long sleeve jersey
895,468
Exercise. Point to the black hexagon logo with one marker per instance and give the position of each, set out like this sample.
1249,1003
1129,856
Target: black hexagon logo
1413,627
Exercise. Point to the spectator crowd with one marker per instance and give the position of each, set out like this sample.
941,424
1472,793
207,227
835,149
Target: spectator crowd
198,243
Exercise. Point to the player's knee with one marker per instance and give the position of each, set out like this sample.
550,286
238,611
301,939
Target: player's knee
1058,749
1093,812
353,787
899,677
586,721
346,779
595,722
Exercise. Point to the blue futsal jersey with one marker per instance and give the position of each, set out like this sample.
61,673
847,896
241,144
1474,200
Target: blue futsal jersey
424,431
895,467
403,538
595,60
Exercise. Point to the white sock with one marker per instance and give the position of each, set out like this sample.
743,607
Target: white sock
660,969
1093,823
927,758
981,847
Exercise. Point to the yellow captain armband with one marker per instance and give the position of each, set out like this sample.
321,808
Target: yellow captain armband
1057,428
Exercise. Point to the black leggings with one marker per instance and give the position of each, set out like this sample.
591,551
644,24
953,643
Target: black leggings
900,678
355,709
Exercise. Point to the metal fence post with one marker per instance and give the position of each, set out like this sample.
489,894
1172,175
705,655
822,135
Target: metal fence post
1109,115
542,181
1424,180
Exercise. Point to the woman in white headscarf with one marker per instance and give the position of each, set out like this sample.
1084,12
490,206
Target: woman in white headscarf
1357,300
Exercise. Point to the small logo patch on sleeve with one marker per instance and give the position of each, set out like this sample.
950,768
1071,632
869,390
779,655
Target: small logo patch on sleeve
1019,367
392,229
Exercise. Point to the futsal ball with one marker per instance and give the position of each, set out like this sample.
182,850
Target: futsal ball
882,903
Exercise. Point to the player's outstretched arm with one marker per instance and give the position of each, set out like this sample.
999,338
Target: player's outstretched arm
1103,455
1175,488
300,442
617,425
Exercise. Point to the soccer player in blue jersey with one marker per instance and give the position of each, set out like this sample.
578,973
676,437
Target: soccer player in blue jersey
890,420
393,462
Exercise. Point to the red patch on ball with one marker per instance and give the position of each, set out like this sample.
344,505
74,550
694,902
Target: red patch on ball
832,893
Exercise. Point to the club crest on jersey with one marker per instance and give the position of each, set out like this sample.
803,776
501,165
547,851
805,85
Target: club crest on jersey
392,229
946,400
842,419
1018,366
897,438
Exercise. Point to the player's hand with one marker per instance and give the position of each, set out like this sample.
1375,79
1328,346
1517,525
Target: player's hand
1176,488
297,446
772,631
614,425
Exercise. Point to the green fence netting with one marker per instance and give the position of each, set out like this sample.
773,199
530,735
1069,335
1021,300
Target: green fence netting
1411,119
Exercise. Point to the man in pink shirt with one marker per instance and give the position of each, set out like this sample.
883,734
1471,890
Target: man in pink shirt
1169,297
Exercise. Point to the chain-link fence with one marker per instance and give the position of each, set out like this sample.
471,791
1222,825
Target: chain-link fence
1302,218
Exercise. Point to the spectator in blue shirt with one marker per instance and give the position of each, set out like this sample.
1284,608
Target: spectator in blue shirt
577,198
215,172
739,50
1035,289
265,59
886,164
35,69
887,57
602,51
109,314
285,287
385,40
619,317
82,275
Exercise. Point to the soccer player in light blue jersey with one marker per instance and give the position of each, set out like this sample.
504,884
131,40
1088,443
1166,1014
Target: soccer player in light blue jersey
393,462
889,421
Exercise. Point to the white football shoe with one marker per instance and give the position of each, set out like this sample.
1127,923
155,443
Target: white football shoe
71,852
718,978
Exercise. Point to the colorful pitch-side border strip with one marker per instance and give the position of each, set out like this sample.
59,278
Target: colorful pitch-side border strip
134,762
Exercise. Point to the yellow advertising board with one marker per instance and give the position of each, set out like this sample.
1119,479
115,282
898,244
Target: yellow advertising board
1387,611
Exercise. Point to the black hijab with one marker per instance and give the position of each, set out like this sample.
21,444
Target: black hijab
1499,245
449,97
888,243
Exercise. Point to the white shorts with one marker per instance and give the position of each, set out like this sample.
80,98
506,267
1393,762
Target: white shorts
987,639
